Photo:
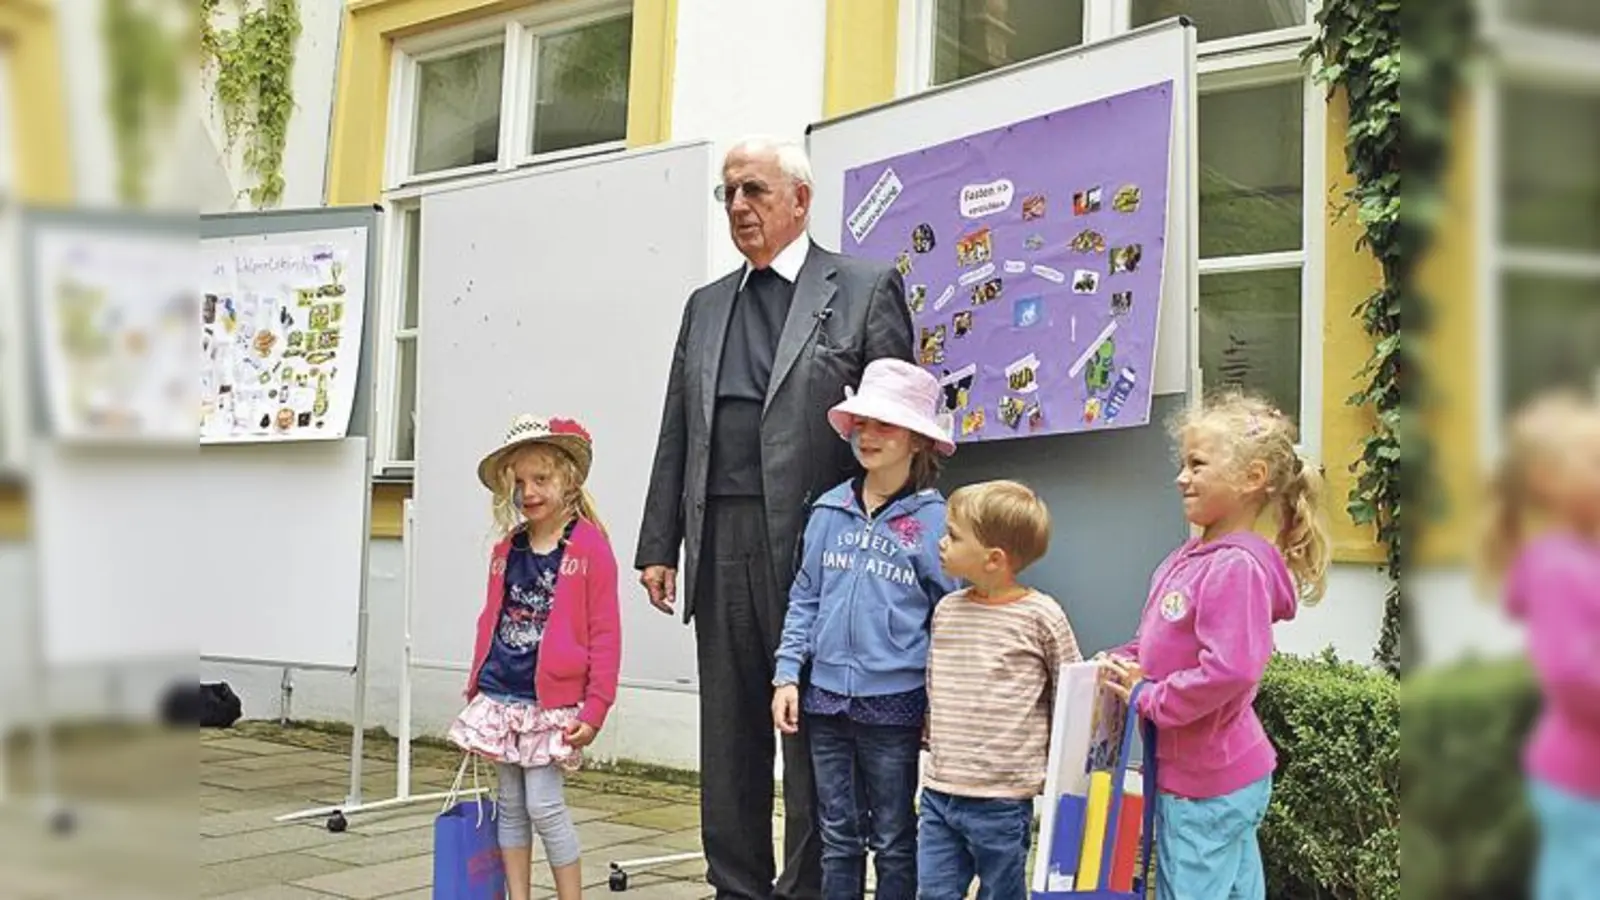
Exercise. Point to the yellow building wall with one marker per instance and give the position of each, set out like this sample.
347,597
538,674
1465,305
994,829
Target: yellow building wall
32,45
1447,275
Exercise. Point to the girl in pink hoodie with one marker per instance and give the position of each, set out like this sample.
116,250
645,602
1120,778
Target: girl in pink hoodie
1544,541
1206,635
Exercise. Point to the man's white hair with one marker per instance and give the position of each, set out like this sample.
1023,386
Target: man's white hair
792,159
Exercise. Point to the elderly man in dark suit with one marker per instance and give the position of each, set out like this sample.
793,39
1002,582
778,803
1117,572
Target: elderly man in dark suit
744,449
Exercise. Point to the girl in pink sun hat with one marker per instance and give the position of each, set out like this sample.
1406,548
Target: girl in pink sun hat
858,615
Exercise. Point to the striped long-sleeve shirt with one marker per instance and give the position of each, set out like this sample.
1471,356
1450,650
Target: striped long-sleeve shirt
992,672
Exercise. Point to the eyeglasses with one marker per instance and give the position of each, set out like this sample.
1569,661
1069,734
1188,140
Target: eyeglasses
752,190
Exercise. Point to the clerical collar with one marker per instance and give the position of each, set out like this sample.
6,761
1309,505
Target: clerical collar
787,263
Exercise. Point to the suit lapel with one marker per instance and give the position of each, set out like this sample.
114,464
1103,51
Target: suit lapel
811,295
718,312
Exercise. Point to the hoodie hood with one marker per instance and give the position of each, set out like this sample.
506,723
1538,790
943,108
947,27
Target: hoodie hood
1285,596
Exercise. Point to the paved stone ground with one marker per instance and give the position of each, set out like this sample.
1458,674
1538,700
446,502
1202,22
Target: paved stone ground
250,774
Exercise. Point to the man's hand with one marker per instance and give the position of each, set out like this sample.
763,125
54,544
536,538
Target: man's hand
786,708
580,734
661,582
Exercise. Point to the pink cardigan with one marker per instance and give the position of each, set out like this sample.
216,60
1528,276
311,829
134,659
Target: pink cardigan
581,651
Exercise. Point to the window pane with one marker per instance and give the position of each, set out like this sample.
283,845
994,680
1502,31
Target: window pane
1224,18
581,96
1550,183
458,110
973,36
1250,334
1252,175
1582,16
1549,336
405,425
411,285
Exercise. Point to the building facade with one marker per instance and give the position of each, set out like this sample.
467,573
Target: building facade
397,98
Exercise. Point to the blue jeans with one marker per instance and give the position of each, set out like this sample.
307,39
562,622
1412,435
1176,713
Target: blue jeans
966,836
866,798
1569,842
1207,849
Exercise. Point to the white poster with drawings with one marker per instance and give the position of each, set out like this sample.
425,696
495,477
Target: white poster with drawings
281,335
114,313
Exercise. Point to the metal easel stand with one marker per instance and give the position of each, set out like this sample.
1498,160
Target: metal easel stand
338,815
619,868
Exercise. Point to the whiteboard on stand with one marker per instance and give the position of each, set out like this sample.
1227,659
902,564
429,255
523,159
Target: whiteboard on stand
150,550
558,293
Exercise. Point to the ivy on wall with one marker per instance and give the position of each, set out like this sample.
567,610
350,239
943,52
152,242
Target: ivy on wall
143,71
1359,48
254,66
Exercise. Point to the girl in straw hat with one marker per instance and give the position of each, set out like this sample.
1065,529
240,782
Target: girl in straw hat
858,614
549,644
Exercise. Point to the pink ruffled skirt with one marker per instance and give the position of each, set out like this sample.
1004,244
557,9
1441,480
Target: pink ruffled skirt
517,733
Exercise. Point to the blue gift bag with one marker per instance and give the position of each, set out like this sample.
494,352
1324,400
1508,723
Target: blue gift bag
1143,883
466,846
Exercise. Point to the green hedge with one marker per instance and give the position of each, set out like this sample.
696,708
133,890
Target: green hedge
1468,833
1332,831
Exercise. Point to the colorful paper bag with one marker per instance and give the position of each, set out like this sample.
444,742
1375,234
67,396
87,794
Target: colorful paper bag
466,847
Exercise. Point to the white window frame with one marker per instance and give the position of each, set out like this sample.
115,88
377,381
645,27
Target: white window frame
1520,55
1268,57
519,32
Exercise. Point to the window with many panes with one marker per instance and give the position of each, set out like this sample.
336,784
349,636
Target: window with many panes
1260,124
545,84
1540,124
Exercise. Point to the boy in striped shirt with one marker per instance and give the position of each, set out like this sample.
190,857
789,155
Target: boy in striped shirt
997,649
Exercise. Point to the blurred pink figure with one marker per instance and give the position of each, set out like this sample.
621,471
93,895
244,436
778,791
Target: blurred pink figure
1544,540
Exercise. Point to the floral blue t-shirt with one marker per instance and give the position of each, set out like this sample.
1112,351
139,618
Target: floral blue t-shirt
530,592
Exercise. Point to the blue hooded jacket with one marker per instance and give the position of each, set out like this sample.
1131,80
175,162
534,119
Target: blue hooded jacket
861,603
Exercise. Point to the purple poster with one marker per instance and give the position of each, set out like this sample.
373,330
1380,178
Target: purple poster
1032,256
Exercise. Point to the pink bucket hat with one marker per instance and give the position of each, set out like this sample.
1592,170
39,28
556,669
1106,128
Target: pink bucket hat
897,393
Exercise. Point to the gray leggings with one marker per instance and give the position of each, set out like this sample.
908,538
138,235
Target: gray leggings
531,800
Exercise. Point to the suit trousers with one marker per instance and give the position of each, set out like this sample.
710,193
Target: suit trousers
738,617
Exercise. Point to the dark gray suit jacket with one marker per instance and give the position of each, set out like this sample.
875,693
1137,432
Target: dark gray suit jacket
846,313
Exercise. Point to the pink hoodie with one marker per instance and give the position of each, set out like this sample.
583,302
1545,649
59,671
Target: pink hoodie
1204,640
1554,588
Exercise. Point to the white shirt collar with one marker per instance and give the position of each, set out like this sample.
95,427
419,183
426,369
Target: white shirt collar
788,261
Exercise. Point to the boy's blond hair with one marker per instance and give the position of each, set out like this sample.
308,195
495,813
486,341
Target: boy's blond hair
1004,515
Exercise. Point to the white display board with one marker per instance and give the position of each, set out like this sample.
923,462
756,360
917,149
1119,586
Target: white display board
557,292
113,313
149,550
282,316
248,553
1138,59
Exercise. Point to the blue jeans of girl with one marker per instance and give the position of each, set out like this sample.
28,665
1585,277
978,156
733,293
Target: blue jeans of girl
866,795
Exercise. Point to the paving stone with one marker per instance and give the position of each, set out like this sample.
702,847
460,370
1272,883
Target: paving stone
240,780
687,839
662,818
656,888
380,880
276,892
612,802
263,871
282,839
603,833
318,758
241,821
359,850
386,822
250,745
